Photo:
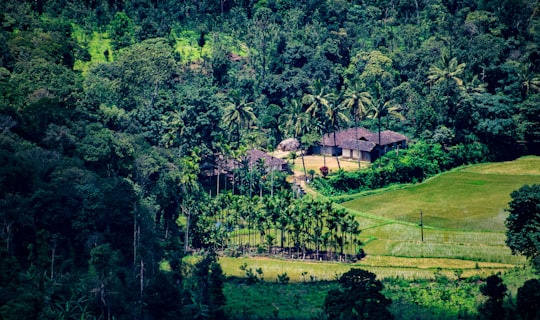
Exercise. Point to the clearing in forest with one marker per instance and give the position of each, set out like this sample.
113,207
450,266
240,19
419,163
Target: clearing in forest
463,213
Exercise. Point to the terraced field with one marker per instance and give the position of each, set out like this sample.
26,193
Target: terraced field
463,215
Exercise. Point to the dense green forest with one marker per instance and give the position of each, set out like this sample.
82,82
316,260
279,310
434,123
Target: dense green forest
113,112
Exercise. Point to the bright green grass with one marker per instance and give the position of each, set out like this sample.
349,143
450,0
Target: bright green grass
463,215
524,166
463,199
383,266
96,44
188,47
406,232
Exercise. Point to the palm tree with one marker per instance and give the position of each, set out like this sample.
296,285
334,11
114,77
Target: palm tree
319,216
360,102
527,79
318,102
448,70
353,229
188,180
296,123
238,113
223,150
336,116
446,73
384,108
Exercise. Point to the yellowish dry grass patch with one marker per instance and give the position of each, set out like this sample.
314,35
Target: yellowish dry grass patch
384,267
316,161
429,263
523,166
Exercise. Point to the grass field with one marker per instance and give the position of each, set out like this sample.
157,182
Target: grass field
463,216
464,236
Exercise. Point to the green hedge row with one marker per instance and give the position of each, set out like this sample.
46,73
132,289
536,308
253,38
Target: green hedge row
420,161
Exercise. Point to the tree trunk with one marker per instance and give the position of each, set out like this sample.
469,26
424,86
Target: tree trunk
272,181
380,148
337,155
53,253
217,182
186,234
357,143
303,163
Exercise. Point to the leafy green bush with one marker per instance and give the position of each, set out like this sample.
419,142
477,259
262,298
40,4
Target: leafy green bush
283,278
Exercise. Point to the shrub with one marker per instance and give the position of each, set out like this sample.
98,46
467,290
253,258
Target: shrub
413,165
283,278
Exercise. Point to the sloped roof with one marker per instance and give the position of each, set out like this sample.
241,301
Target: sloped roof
361,145
389,137
254,155
344,137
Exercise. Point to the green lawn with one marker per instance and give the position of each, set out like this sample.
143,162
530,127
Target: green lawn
463,214
97,44
461,200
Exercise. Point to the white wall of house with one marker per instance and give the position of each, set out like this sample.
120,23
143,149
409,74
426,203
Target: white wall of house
353,154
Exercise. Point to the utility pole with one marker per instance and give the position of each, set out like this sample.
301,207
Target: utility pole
421,226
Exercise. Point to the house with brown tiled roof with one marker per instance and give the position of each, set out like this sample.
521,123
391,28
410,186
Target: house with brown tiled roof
252,158
355,143
270,162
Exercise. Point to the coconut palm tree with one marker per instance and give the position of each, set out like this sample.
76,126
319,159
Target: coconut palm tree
318,102
296,123
447,75
527,79
336,115
359,102
448,70
383,107
239,114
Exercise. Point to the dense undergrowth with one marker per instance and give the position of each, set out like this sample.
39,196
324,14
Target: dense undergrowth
436,297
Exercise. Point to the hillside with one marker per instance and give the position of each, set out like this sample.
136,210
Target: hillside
126,129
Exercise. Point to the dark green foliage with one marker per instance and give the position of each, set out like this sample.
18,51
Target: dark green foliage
99,169
283,278
359,297
522,235
163,297
122,31
530,123
206,287
495,290
528,300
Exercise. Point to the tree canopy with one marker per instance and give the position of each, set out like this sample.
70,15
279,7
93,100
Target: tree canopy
522,235
118,119
359,297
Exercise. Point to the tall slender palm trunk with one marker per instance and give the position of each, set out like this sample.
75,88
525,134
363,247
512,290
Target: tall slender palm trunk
337,154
